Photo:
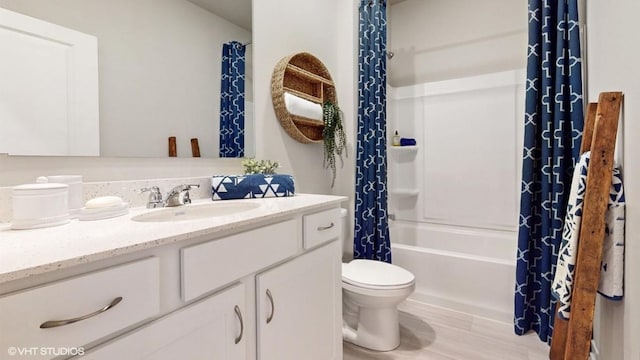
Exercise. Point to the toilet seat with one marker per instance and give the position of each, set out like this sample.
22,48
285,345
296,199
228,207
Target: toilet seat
376,275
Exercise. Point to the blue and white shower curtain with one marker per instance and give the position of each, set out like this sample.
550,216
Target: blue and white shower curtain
371,234
553,132
232,100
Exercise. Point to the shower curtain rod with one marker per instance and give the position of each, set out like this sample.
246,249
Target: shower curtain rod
239,45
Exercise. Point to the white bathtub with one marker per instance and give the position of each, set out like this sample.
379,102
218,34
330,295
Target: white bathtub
463,269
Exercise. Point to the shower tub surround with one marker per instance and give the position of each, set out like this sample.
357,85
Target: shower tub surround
244,279
455,197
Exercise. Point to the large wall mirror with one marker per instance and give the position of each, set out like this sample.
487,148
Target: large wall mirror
159,69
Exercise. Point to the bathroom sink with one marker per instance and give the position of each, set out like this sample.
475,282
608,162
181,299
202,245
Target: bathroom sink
195,212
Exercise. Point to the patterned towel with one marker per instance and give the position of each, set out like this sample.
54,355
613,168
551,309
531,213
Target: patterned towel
251,186
612,267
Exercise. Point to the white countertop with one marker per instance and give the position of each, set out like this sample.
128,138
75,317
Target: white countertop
26,253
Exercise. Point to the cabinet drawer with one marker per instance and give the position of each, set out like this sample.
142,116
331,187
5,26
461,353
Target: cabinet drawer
321,227
208,266
23,313
213,328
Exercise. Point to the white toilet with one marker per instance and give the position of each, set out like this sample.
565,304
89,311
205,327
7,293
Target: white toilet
371,292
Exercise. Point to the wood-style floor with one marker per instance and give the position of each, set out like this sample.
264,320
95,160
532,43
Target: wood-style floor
429,332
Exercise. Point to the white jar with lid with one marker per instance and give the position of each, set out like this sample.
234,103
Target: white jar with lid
75,190
40,205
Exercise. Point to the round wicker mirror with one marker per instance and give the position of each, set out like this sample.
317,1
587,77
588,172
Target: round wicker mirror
302,76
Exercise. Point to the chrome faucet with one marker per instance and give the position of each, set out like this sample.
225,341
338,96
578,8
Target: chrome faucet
155,197
174,198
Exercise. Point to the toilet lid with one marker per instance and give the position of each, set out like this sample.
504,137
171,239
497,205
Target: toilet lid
375,273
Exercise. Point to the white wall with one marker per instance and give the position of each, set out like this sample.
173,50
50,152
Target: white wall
444,39
347,73
159,68
278,33
613,58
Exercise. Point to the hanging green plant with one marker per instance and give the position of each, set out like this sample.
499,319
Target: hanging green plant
333,136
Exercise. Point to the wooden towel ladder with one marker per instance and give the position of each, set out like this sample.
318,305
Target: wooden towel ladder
572,339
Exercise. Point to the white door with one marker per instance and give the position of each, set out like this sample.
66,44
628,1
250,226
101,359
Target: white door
213,328
299,307
48,88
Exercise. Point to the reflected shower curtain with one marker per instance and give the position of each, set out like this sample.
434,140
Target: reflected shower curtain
232,100
553,131
371,240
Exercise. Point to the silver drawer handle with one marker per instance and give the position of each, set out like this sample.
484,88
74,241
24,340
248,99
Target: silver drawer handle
239,315
273,307
56,323
322,228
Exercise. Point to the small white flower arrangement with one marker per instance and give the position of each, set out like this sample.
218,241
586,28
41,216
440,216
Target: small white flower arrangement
253,166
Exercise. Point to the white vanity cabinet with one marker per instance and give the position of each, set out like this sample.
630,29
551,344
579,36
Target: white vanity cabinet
213,328
268,288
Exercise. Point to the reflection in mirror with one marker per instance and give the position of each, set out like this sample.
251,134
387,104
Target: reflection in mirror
55,69
232,101
159,68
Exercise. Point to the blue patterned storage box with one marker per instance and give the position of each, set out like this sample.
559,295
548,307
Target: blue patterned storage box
251,186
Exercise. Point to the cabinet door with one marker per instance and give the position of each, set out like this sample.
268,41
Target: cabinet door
209,329
299,308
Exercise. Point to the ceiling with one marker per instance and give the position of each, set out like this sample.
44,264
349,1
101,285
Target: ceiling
236,11
239,11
